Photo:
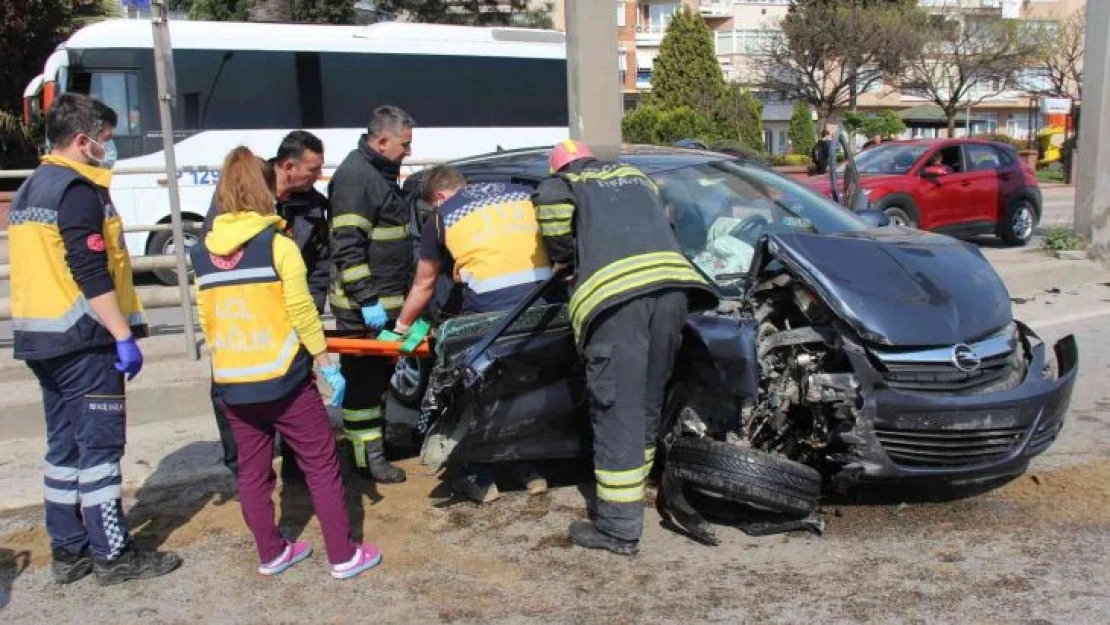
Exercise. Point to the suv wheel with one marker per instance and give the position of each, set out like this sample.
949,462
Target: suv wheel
899,217
1017,228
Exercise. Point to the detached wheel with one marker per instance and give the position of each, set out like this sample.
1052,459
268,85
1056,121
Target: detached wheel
899,217
162,244
747,476
410,380
1017,227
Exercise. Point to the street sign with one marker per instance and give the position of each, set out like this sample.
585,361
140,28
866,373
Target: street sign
1056,106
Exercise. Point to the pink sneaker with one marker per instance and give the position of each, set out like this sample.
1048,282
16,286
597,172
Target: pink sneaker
294,553
367,556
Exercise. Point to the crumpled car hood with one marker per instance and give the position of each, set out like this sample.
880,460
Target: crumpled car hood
900,287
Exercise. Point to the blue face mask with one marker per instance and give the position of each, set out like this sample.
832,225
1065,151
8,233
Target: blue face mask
110,154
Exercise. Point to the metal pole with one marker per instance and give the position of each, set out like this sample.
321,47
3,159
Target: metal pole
163,67
1092,195
593,87
967,119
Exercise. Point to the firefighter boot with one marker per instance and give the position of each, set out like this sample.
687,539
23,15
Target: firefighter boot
135,564
585,534
69,567
380,469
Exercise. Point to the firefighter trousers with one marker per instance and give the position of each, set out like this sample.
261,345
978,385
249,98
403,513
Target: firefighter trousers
83,398
629,356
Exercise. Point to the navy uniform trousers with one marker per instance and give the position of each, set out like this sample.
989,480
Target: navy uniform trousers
83,396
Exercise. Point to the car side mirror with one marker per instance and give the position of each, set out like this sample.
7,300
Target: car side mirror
932,172
874,218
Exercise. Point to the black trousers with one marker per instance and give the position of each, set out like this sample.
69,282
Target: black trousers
630,352
289,466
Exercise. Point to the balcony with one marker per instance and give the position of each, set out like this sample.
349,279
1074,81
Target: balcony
650,35
714,9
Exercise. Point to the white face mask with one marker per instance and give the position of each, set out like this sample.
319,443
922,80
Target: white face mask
110,154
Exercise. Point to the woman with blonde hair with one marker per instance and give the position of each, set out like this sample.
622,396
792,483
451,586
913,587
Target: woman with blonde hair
264,333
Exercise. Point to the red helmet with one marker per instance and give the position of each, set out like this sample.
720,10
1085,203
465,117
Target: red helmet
566,152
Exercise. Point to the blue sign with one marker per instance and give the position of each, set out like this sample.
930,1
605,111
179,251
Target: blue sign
138,4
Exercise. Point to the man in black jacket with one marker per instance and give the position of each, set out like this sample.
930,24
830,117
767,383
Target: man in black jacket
372,235
296,168
631,294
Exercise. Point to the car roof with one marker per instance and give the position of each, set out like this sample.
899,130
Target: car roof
942,141
532,162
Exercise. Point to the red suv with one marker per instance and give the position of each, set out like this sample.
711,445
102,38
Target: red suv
961,187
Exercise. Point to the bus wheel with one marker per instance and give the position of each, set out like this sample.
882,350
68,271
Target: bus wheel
162,244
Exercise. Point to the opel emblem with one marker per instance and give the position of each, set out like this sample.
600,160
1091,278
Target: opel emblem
965,359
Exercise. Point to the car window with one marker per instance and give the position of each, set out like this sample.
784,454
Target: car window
889,158
948,157
983,157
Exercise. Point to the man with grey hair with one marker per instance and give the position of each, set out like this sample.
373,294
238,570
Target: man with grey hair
372,266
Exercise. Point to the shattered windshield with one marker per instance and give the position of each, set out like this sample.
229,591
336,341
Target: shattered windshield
889,158
719,211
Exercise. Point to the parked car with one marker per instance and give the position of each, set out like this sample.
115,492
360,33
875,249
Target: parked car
840,353
960,187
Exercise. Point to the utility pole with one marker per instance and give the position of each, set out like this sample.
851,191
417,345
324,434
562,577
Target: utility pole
593,85
1092,194
167,90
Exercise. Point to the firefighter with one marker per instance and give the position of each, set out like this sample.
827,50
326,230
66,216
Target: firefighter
631,293
489,237
372,264
75,320
291,175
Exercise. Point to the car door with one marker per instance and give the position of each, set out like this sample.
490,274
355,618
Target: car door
942,200
985,185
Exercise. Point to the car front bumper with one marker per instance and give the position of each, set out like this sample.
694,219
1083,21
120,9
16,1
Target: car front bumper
901,435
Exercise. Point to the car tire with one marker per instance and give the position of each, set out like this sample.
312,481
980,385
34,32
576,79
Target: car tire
410,381
162,244
899,217
1017,227
747,476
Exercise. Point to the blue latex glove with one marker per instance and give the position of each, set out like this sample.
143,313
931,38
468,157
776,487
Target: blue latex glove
129,358
337,383
374,316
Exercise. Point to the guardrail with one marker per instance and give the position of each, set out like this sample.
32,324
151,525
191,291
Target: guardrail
185,169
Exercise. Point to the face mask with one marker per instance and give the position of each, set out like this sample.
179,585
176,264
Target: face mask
109,158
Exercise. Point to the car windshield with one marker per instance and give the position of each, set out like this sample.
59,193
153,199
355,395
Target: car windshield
889,158
720,209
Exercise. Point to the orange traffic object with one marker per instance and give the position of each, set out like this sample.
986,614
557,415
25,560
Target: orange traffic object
375,347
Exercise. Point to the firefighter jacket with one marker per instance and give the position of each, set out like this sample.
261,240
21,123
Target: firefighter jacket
255,310
306,216
490,233
372,236
51,316
607,219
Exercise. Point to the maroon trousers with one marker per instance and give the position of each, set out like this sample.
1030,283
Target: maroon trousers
302,420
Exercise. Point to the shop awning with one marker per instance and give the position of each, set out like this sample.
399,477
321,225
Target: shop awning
928,114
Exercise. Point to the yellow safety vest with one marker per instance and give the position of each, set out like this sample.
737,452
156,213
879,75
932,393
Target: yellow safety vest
50,315
256,354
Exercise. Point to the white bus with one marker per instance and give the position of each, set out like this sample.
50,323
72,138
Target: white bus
471,90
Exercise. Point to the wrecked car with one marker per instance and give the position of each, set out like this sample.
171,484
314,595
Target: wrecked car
840,353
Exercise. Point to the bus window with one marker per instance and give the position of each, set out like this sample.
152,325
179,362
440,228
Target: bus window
120,91
236,90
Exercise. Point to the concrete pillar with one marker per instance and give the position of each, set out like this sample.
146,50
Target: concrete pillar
1092,195
593,80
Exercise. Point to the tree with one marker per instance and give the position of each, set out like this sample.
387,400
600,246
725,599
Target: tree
886,124
966,60
826,52
680,123
802,132
1059,56
270,11
686,70
471,12
738,116
640,124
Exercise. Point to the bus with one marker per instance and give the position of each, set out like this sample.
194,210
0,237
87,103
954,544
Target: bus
470,90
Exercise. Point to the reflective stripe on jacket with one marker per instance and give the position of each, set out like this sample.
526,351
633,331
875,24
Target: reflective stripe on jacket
50,316
607,219
256,353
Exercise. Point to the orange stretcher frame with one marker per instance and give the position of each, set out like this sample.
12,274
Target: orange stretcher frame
375,348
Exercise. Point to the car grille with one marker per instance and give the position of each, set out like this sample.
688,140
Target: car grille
948,448
934,370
